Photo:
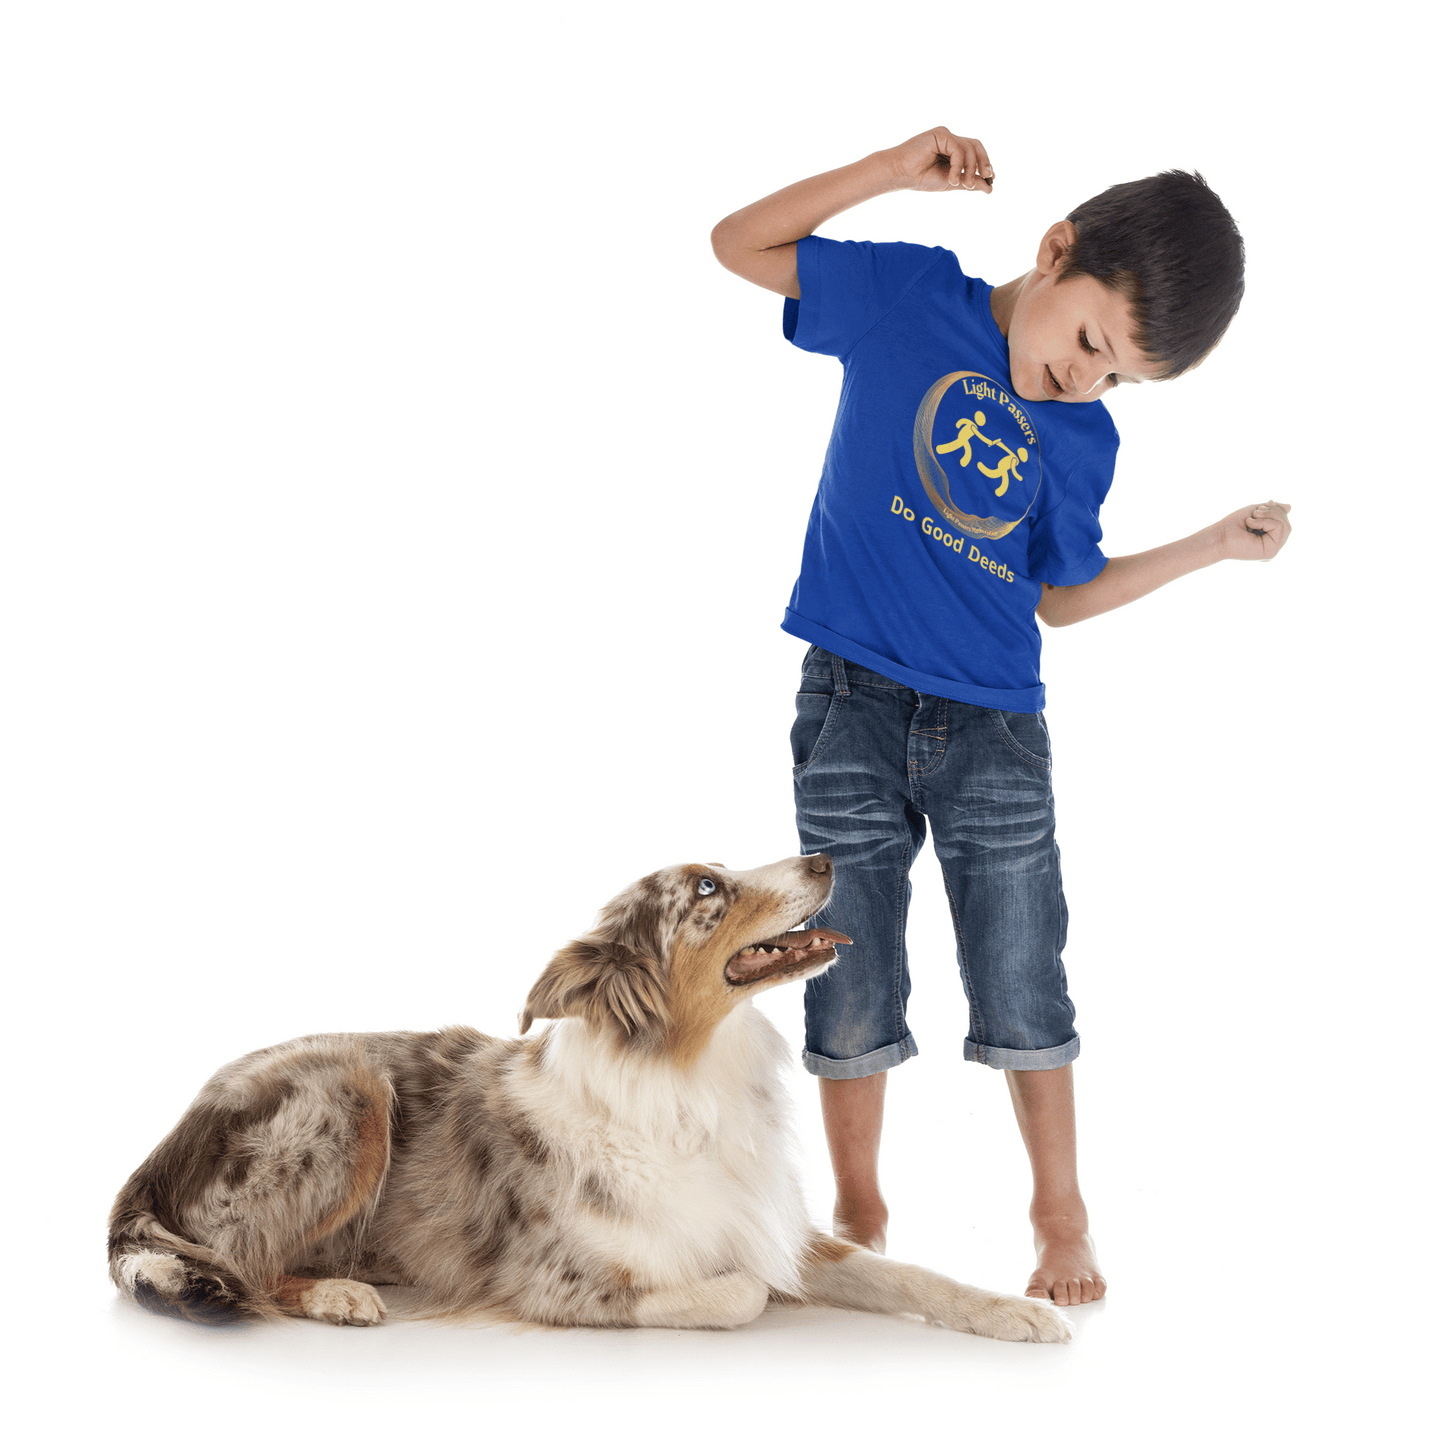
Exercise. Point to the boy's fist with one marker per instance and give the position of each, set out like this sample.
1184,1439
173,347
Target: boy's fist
1255,534
938,160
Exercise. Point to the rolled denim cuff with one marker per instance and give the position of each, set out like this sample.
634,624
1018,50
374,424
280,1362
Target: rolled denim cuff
864,1064
1054,1058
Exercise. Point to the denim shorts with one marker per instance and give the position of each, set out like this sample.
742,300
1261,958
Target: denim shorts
873,760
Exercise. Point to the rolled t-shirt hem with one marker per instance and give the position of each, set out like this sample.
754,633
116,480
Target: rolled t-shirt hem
1023,699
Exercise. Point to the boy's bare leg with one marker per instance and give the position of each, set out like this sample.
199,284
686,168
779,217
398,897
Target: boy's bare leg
853,1122
1043,1103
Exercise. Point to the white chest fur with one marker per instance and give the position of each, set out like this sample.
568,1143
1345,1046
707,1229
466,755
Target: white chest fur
676,1174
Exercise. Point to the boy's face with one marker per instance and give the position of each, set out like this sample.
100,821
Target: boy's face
1070,340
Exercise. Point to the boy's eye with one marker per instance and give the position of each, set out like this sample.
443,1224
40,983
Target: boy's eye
1084,342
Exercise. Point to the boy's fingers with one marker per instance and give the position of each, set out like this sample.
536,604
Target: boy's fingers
1271,517
957,163
968,166
970,179
982,167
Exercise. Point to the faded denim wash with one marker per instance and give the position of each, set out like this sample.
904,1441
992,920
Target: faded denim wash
877,763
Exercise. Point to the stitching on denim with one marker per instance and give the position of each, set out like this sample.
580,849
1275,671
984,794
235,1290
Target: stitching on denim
938,735
899,1053
840,676
1063,937
1008,1058
974,1012
1001,727
941,739
900,946
800,768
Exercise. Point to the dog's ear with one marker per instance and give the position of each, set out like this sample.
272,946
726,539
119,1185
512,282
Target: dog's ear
607,983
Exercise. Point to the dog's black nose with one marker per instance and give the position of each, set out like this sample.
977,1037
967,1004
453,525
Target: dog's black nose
820,863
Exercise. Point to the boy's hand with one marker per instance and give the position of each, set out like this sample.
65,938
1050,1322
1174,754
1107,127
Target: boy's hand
1255,534
759,242
938,160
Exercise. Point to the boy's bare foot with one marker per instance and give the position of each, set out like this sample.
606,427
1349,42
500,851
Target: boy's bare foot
862,1222
1068,1273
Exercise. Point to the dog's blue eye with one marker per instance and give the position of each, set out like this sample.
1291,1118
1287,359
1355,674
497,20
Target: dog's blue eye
706,886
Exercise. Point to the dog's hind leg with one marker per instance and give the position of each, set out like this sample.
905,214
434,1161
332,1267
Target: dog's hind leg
721,1303
278,1152
837,1273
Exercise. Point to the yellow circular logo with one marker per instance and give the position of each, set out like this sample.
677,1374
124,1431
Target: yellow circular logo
974,442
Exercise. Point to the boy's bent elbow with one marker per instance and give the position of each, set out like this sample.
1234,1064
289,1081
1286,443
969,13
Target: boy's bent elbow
774,268
719,239
728,245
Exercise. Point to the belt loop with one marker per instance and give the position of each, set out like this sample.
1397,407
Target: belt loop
840,676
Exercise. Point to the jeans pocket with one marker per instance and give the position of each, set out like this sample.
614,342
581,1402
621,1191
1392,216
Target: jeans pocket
816,711
1027,734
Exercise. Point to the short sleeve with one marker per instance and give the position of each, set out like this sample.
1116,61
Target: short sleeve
848,287
1064,543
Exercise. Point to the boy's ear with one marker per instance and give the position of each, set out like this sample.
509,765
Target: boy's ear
1056,247
613,987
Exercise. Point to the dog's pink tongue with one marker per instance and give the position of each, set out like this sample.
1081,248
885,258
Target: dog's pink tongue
783,951
806,937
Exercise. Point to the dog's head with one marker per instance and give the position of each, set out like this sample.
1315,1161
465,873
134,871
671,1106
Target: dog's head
674,954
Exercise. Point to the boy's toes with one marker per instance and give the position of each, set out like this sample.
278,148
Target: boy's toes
1080,1289
1068,1272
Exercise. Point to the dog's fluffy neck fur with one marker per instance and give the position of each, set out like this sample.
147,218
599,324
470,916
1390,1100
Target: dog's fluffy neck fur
648,1092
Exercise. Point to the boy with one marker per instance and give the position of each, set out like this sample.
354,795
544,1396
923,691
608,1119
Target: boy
960,496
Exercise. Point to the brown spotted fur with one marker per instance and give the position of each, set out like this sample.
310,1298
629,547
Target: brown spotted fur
458,1164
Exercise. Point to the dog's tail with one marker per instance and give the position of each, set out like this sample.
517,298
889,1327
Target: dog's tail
172,1276
153,1264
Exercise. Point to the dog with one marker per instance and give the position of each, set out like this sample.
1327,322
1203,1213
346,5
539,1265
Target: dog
629,1166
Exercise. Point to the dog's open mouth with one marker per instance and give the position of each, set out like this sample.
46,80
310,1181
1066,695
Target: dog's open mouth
786,953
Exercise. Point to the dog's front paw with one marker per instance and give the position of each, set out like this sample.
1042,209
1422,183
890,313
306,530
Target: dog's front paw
343,1302
1010,1317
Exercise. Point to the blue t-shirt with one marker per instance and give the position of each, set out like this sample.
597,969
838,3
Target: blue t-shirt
945,502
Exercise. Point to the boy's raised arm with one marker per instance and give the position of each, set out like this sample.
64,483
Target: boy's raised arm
759,242
1252,534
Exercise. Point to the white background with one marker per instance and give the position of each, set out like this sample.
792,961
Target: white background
400,503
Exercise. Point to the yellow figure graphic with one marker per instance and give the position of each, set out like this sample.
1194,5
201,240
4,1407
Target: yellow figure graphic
1007,469
930,465
966,431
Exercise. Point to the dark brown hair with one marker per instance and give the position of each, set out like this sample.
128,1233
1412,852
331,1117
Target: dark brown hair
1168,244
